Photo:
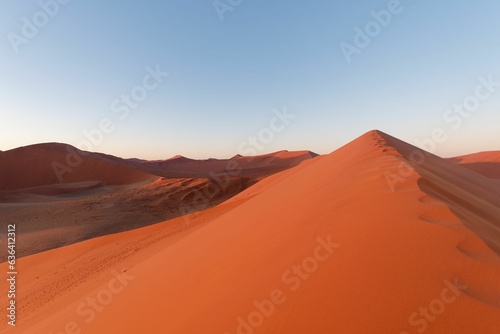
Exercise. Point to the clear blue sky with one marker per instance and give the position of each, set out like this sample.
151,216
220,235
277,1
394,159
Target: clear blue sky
227,76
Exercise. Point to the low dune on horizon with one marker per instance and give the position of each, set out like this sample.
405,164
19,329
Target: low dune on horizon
378,236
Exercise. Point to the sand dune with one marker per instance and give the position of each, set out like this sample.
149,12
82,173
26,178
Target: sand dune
46,222
249,167
39,165
325,247
53,163
472,197
484,163
102,194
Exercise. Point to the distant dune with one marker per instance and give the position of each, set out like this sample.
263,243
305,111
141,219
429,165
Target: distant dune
101,194
251,167
333,245
484,163
37,165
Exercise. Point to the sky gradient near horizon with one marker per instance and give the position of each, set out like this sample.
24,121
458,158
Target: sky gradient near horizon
65,74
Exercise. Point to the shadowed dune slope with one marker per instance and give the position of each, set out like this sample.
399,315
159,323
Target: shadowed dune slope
47,222
325,247
484,163
471,196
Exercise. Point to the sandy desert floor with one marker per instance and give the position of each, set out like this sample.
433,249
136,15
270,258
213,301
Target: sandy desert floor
105,194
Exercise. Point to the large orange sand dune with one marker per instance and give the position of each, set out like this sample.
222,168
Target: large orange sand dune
325,247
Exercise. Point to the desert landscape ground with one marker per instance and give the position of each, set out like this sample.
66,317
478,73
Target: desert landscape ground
376,237
102,194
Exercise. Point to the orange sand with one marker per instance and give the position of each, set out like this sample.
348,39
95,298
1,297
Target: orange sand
485,163
389,255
